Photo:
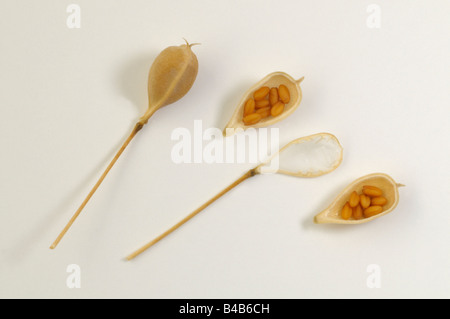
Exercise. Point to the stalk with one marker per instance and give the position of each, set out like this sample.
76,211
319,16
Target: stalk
244,177
133,133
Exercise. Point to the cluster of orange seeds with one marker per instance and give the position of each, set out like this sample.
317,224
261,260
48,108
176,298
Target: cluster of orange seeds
365,205
265,102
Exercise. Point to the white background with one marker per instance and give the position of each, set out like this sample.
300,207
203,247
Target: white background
70,97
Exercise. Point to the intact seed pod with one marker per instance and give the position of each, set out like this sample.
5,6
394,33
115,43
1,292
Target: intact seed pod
171,76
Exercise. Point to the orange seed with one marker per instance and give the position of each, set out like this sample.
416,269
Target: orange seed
364,200
252,119
284,94
261,93
249,107
264,112
273,96
379,201
372,211
354,199
277,109
357,212
261,103
346,211
372,191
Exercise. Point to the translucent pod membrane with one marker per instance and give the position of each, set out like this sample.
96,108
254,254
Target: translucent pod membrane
309,156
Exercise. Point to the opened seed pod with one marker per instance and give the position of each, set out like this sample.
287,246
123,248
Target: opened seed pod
309,156
339,210
268,106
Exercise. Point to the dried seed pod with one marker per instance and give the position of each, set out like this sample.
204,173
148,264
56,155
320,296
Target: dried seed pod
319,148
308,156
171,76
272,80
332,214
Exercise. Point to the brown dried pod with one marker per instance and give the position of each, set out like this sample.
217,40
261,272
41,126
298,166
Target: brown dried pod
171,76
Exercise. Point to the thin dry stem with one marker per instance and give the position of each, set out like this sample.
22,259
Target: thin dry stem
135,130
247,175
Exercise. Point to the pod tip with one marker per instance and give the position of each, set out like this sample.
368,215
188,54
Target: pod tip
190,44
228,131
300,80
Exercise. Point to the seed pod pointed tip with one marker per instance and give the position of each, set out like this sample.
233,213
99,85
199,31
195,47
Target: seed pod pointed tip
190,45
300,80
